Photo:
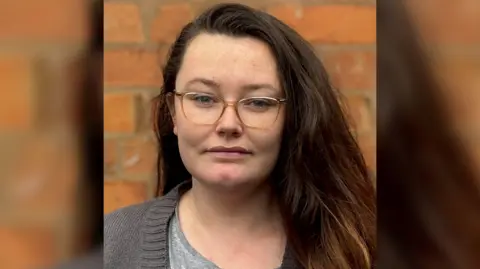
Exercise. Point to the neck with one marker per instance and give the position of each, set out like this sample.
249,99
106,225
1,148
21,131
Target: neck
246,209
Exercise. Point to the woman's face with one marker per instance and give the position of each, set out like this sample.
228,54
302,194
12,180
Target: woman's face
219,66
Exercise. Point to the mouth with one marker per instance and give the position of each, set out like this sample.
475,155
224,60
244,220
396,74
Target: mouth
229,152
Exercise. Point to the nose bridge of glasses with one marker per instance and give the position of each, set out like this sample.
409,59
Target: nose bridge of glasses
230,103
233,105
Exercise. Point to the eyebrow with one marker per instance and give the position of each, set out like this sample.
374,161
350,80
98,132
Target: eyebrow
249,87
207,82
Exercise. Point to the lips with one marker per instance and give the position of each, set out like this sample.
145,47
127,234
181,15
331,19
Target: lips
232,150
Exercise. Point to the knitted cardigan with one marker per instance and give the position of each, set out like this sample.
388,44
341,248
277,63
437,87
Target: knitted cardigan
136,236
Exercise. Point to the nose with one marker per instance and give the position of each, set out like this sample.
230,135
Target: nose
229,125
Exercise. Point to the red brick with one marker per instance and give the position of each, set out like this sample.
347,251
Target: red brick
330,23
119,194
351,69
367,143
359,112
162,53
56,20
145,123
122,23
169,20
43,177
132,68
15,93
110,156
25,248
139,155
119,112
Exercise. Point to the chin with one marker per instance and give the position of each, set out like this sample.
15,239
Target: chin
226,177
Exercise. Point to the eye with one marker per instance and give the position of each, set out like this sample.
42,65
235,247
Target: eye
260,102
201,100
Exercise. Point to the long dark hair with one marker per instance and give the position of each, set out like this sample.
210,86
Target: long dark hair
429,200
321,179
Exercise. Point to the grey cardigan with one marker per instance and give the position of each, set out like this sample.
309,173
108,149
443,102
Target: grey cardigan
136,236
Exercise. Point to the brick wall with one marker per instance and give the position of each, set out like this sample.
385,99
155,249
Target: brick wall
40,42
137,36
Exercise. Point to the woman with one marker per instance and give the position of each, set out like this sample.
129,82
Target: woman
257,165
429,199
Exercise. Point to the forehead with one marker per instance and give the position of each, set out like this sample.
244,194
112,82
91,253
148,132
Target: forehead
229,61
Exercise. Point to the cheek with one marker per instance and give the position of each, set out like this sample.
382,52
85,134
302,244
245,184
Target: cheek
190,137
276,135
268,142
187,142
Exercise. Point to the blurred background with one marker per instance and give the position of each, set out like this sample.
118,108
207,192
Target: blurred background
428,130
50,77
47,199
450,30
138,35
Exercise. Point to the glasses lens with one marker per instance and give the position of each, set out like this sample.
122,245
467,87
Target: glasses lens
258,112
202,108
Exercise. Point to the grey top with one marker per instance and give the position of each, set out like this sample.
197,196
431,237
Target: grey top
137,236
182,254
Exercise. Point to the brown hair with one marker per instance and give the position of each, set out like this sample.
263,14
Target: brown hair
429,200
326,194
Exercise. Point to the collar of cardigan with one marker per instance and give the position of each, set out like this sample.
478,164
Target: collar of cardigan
154,232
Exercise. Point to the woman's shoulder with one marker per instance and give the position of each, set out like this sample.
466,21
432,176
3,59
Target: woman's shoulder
124,230
124,223
131,217
128,216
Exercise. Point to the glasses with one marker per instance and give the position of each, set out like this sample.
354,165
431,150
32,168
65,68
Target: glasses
207,109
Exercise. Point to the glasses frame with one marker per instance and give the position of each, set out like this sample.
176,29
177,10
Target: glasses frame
234,104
